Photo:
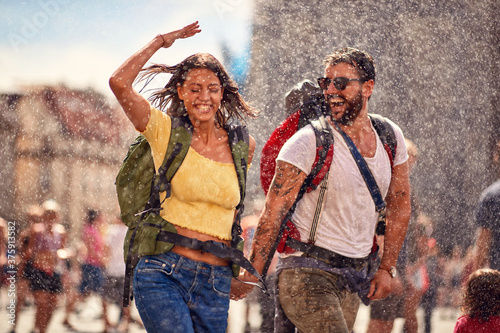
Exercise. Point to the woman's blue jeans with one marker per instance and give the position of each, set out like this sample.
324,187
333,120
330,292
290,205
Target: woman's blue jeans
177,294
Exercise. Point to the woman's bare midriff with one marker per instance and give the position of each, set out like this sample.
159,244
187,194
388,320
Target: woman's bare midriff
196,254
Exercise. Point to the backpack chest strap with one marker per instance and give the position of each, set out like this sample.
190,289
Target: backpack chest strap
218,249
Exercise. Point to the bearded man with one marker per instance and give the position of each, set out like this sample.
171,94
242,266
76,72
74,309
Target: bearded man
314,293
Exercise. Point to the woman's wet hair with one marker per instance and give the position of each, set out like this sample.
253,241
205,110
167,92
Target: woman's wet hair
167,99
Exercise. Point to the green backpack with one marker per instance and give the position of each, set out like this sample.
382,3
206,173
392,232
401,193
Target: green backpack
138,188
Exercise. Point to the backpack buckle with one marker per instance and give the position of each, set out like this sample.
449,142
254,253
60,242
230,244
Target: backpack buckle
165,187
380,229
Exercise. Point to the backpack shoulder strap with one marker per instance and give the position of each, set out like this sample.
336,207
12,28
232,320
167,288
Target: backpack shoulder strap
177,149
324,143
239,141
386,134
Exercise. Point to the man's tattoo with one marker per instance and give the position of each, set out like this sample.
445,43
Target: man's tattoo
400,194
285,180
263,244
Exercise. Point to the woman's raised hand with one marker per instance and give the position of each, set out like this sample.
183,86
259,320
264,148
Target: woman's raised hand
187,31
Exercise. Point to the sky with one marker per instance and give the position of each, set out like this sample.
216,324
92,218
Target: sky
80,43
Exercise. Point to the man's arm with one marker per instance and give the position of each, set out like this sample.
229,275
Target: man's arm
483,245
282,194
284,189
398,216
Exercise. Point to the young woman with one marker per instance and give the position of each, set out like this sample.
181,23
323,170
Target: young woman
185,290
45,239
92,267
481,303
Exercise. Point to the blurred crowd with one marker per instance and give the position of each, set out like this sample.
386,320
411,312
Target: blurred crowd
54,272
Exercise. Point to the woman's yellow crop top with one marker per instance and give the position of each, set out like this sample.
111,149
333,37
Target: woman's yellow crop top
204,192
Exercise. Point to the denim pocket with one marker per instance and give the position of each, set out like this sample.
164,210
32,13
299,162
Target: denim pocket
151,264
221,284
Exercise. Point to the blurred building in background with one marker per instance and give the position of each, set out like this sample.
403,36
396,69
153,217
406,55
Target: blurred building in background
60,144
438,77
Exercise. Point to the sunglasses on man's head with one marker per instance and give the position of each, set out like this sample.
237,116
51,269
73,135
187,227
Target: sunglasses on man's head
340,83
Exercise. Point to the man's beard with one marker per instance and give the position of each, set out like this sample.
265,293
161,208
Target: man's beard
352,109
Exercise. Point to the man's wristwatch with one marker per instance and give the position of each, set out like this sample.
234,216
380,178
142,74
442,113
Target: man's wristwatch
392,271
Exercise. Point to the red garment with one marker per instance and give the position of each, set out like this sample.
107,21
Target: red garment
466,324
94,242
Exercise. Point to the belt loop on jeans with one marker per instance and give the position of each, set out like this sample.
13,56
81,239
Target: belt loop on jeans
178,263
